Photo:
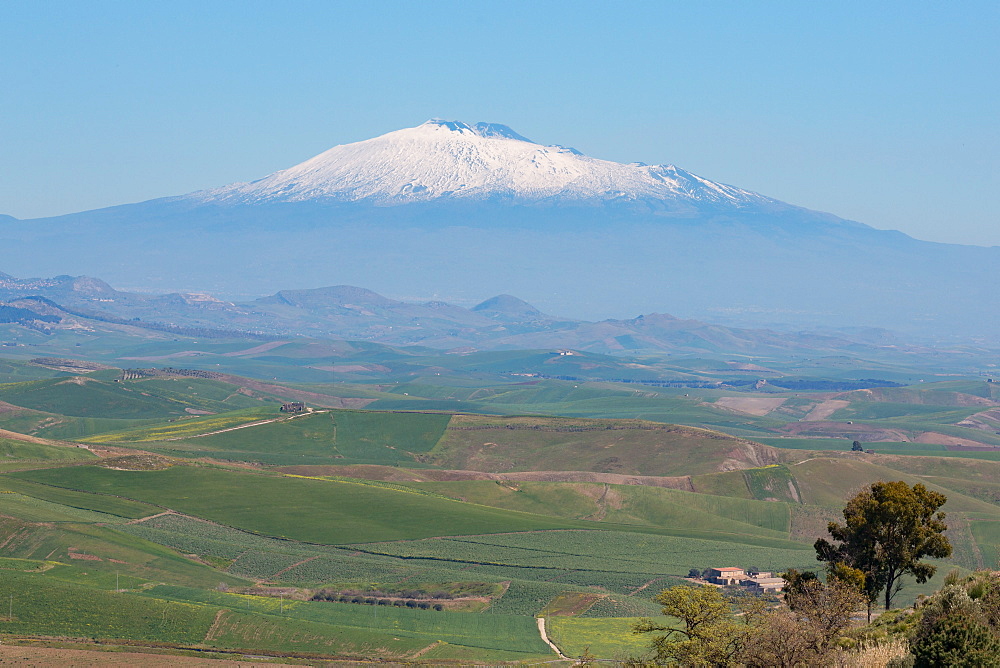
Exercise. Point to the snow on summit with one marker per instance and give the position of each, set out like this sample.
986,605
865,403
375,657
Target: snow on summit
450,159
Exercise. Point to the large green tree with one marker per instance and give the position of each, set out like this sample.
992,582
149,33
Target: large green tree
889,527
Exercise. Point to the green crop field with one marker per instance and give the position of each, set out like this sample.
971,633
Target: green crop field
608,638
34,509
82,396
320,511
42,605
102,503
515,634
987,455
62,427
626,504
204,547
20,451
559,444
772,483
347,437
827,482
595,551
987,535
185,428
12,371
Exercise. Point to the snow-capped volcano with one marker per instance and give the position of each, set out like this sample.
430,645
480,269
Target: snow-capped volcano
458,209
451,159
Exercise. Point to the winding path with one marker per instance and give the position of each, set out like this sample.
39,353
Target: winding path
545,637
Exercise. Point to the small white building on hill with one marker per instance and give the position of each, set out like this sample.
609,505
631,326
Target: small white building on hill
729,575
764,585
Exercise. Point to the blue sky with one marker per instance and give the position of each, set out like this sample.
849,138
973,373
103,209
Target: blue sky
886,115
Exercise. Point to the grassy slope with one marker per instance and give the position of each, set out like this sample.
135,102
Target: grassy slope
103,503
83,396
60,427
13,371
305,509
96,397
56,538
419,628
16,454
626,504
563,444
345,436
828,482
609,639
50,604
564,553
180,428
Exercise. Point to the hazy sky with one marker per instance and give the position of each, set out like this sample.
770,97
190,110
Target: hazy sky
887,115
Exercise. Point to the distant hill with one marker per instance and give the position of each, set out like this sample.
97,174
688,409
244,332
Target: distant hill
507,307
503,322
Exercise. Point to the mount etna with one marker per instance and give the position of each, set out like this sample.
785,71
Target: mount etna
448,208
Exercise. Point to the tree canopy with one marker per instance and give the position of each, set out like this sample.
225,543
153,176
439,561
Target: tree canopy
889,527
710,635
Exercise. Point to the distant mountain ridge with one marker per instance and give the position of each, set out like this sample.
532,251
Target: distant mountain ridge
503,322
476,209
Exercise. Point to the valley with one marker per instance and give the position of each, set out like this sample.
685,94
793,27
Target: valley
427,506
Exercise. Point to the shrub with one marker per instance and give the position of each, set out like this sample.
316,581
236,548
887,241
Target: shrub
957,640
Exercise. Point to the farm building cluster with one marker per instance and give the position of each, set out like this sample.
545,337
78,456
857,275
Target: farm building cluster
759,582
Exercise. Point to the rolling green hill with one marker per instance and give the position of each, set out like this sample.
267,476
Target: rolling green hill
559,444
512,496
313,510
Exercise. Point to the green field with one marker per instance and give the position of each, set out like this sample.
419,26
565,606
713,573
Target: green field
609,639
513,497
626,504
559,444
103,503
22,452
42,605
772,483
515,634
987,535
563,552
346,437
320,511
